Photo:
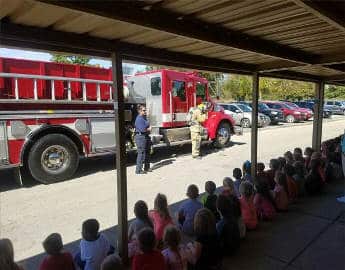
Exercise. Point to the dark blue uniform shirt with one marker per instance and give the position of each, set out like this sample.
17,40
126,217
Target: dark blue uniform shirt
141,124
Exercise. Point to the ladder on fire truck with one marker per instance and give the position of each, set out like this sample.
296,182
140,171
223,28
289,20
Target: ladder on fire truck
17,97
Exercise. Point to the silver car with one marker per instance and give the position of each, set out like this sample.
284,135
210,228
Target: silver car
337,107
242,114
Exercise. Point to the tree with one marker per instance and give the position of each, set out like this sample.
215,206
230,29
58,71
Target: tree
71,59
335,92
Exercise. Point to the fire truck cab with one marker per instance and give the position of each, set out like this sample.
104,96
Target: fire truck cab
53,114
168,96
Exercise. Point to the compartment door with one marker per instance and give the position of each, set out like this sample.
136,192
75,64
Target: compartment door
3,143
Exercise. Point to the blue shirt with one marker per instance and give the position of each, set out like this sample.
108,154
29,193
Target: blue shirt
343,144
237,184
141,124
188,209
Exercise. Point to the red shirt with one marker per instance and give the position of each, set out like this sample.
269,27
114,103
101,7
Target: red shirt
153,260
58,262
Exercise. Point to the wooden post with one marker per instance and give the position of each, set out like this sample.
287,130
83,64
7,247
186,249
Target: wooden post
254,126
119,111
318,115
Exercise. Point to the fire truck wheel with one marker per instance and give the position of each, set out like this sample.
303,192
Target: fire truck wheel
53,158
223,135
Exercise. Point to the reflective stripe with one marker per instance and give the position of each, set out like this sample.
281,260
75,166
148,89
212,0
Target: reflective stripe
179,117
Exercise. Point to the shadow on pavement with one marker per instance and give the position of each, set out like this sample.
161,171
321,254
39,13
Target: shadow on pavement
162,156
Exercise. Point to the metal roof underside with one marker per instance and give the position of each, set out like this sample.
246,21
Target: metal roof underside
294,39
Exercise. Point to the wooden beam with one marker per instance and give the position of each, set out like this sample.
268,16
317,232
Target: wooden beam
189,27
330,11
47,39
318,112
292,75
121,158
329,60
335,78
254,126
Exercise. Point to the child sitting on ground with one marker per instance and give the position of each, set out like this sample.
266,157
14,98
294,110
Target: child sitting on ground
94,247
150,257
176,256
112,262
263,202
57,259
209,199
314,182
279,193
248,210
237,174
261,174
229,192
7,256
188,210
141,221
282,163
274,167
299,176
288,157
206,247
298,155
227,227
308,151
246,168
289,170
160,216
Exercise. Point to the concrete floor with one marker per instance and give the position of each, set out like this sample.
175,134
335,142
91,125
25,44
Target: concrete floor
310,236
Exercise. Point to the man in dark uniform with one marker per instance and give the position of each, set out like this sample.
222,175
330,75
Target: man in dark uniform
143,141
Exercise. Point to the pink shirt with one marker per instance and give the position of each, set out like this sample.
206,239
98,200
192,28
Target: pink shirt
264,207
248,213
280,197
159,223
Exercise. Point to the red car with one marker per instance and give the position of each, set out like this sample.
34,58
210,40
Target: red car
306,113
291,115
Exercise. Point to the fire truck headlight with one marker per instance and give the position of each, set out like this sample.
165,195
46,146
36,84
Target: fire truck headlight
19,129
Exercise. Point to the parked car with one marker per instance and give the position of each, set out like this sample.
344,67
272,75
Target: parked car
242,114
310,105
306,113
275,116
291,115
338,107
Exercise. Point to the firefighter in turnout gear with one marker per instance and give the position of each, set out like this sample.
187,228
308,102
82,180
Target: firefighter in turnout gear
197,116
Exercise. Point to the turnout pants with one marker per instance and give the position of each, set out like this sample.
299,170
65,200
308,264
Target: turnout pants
143,143
196,140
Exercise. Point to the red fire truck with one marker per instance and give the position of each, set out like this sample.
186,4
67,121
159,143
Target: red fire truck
53,114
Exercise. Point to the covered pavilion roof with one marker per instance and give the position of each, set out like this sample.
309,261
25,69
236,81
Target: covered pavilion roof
294,39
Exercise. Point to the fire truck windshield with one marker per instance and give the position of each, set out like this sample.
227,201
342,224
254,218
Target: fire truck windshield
201,90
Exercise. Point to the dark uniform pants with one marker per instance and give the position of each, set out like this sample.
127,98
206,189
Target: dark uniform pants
143,143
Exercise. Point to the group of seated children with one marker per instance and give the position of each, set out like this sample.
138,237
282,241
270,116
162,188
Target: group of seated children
211,227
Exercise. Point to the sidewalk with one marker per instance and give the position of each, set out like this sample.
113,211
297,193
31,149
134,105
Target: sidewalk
311,236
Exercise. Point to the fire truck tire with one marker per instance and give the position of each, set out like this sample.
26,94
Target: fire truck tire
53,158
223,135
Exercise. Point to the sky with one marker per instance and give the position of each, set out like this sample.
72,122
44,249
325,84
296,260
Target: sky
43,56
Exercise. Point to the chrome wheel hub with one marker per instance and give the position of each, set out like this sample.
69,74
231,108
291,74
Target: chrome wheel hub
55,159
223,135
